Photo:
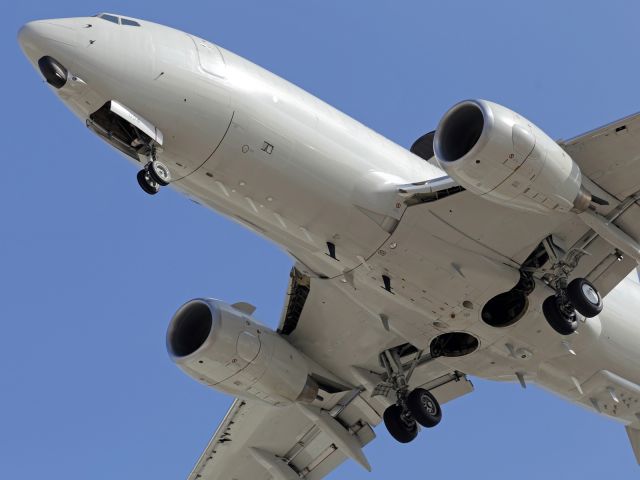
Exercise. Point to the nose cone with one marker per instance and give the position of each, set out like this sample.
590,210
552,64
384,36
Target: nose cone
43,37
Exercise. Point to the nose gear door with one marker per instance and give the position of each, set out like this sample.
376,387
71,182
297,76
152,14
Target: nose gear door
125,130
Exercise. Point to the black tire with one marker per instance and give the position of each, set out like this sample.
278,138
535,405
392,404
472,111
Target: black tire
159,173
424,408
585,297
146,183
559,321
402,429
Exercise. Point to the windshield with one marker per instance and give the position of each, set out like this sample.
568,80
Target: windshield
117,20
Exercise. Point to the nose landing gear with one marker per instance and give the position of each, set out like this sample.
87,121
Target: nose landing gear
413,407
159,172
154,175
147,183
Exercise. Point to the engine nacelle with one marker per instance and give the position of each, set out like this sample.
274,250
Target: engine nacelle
227,349
494,152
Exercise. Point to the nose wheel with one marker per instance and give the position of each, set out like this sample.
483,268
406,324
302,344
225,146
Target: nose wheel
159,172
153,176
146,183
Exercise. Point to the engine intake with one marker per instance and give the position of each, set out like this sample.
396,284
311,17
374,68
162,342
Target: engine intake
461,129
500,155
190,329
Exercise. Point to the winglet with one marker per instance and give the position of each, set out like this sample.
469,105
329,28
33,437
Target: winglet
634,438
347,443
276,468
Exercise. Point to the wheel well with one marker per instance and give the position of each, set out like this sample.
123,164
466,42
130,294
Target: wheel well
454,344
507,308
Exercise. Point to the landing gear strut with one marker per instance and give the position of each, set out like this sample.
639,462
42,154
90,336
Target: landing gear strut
412,407
579,295
154,175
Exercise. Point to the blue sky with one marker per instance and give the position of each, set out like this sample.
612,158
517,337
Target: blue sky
91,268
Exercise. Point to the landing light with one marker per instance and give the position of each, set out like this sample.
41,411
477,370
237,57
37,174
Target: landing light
53,71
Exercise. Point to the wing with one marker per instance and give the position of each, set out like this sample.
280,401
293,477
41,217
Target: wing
259,442
610,156
256,441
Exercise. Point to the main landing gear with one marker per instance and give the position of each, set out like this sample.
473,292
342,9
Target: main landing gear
154,175
578,296
571,299
413,407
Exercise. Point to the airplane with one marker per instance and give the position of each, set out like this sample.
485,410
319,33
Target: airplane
487,249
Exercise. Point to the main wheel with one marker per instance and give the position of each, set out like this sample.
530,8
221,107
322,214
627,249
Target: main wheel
159,173
399,426
145,182
561,322
424,408
585,297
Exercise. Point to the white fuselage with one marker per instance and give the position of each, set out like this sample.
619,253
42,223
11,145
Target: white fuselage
260,150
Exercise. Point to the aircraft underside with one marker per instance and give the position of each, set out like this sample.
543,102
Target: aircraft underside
488,250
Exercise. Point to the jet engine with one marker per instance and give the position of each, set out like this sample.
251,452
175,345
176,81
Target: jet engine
500,155
225,348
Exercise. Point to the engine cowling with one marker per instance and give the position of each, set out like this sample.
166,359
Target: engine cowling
500,155
225,348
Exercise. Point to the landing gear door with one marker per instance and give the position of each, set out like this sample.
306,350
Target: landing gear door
137,121
125,130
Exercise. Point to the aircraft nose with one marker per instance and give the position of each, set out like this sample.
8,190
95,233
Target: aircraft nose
38,36
46,43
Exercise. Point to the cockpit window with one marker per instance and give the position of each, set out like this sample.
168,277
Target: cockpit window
117,20
109,18
126,21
